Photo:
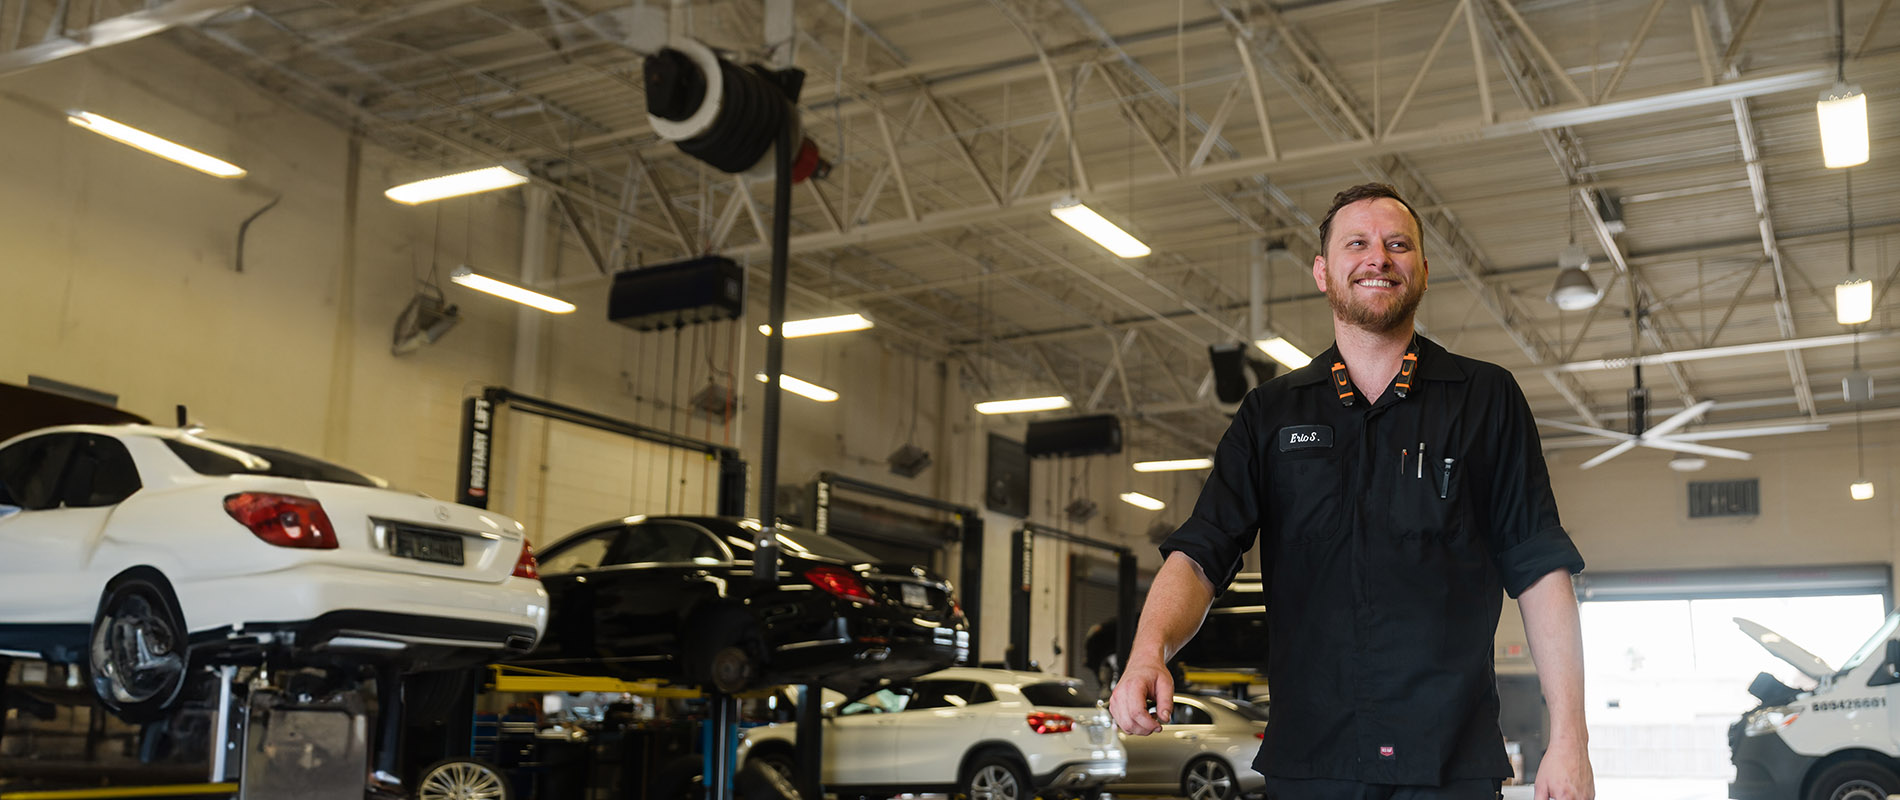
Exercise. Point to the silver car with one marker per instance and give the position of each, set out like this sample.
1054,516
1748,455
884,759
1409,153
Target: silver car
1205,752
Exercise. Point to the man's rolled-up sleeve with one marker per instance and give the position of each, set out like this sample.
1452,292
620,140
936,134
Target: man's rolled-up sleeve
1527,539
1226,517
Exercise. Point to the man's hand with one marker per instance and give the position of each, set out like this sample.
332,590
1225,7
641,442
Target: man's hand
1565,773
1143,683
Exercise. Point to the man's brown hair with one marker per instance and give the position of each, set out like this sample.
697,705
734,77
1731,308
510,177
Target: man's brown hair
1364,191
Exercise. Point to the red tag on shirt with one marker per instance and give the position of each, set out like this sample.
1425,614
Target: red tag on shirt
1385,751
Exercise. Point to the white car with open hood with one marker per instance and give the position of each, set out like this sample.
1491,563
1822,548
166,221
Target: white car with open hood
1835,742
144,551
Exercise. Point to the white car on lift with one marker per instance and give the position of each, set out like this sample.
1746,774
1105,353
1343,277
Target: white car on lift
987,734
143,551
1838,741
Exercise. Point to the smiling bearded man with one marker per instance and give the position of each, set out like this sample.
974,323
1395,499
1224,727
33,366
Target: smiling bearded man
1397,492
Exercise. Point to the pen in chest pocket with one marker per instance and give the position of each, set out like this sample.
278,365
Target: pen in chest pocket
1444,479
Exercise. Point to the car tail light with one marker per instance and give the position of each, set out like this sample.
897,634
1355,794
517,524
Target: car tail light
1259,734
840,583
283,520
525,565
1050,722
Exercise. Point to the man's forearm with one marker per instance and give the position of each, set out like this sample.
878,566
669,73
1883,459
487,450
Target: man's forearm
1177,602
1549,607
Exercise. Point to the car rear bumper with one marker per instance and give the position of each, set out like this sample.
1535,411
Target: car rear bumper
415,641
859,652
1082,774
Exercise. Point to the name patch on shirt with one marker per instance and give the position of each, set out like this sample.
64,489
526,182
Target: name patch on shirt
1303,437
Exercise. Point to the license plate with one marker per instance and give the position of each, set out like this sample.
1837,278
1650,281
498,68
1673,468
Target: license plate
440,548
916,596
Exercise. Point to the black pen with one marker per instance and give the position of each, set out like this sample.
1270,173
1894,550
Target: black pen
1444,486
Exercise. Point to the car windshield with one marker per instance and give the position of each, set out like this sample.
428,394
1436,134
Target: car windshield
1248,710
282,464
1875,642
1060,695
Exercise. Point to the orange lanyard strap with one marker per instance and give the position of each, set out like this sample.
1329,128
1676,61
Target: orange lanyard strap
1403,383
1342,383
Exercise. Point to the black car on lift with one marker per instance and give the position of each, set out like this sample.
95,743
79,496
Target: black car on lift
674,598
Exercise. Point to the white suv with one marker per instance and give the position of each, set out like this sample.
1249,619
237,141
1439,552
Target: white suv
988,734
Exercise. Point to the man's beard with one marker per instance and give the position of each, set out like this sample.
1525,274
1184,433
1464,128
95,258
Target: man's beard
1375,320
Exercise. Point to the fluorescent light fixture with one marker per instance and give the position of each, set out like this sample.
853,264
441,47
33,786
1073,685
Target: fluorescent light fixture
163,148
1843,114
1853,301
1861,490
458,184
819,326
1283,351
801,388
1176,465
482,283
1022,405
1095,226
1140,500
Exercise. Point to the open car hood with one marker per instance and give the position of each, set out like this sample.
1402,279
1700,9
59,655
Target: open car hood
23,409
1808,663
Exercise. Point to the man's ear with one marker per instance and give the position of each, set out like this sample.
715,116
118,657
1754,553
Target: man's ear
1319,272
1424,272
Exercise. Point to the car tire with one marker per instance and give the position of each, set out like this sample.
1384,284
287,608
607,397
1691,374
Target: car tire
777,761
463,779
1854,780
137,653
1209,779
996,776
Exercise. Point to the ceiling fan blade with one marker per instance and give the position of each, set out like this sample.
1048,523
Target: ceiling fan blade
1567,426
1743,433
1612,453
1679,446
1679,419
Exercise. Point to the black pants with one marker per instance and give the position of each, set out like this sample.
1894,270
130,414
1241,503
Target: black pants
1322,789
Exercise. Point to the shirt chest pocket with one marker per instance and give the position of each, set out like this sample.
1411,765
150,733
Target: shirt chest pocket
1307,489
1431,499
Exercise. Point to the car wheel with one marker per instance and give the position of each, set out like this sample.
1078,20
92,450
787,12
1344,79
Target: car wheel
137,652
463,779
1854,780
779,762
722,658
1209,779
995,776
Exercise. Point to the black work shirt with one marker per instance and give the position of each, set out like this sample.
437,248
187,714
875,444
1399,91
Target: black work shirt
1382,573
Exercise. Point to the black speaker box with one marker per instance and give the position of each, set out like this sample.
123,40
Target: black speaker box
705,289
1236,371
1096,435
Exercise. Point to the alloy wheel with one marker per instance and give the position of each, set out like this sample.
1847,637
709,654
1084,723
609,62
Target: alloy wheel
995,782
1209,780
462,780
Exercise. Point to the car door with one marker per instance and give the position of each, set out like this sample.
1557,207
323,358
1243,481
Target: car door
860,741
943,719
65,485
1158,758
661,572
565,574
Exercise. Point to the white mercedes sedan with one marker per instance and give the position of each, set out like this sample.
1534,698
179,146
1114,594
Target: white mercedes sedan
144,551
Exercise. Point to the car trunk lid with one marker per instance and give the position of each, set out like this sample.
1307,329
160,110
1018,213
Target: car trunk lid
395,532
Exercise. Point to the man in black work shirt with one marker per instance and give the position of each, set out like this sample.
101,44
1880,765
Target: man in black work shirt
1396,488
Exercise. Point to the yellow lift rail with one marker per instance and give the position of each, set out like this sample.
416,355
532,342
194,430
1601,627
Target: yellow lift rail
1218,678
534,681
170,790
